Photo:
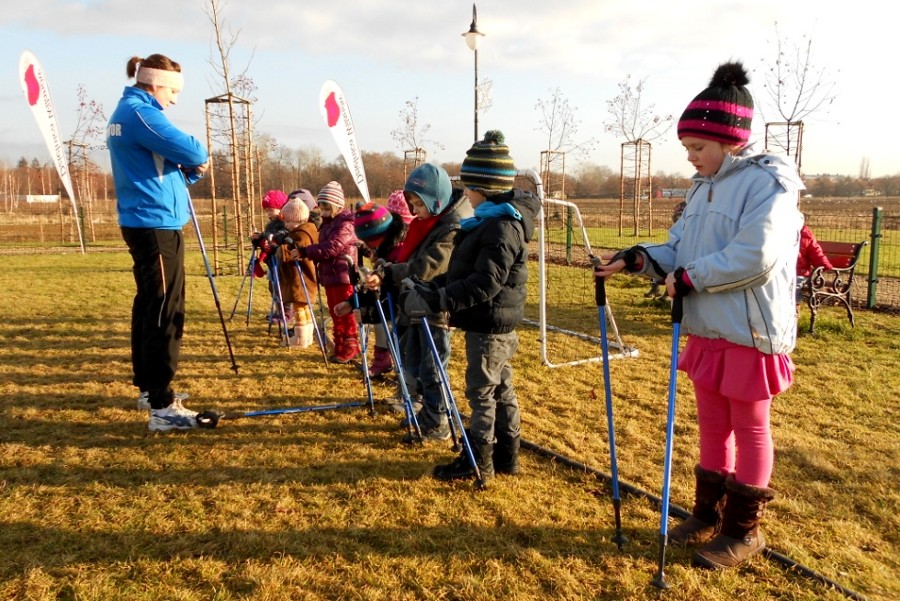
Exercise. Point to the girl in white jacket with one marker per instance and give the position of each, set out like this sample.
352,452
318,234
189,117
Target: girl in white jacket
732,258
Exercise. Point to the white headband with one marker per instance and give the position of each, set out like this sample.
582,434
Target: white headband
160,77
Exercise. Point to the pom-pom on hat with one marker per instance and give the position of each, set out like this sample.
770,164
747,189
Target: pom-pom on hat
723,111
371,221
295,210
306,196
274,199
333,194
396,203
432,184
488,166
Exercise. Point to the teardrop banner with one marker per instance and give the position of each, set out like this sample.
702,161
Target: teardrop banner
336,113
34,85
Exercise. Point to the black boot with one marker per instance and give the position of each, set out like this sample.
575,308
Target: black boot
740,537
461,468
706,516
506,454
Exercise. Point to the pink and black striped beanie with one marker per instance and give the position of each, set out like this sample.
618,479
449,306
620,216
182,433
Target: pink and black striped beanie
723,111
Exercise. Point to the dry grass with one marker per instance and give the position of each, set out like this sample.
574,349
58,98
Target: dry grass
330,505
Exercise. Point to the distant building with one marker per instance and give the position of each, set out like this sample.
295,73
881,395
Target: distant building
673,192
39,198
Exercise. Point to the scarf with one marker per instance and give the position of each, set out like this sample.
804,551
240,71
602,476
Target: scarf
488,210
418,231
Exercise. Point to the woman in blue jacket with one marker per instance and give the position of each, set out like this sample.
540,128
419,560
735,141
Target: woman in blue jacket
152,164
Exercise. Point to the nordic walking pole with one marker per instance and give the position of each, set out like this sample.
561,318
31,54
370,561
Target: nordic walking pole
363,339
660,580
250,293
212,283
412,420
454,410
283,328
600,294
319,337
240,291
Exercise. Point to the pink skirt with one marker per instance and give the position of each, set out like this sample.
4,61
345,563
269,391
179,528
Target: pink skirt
735,371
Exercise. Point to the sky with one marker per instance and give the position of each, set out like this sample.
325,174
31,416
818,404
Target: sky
384,54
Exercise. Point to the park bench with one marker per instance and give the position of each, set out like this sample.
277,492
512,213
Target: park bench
833,286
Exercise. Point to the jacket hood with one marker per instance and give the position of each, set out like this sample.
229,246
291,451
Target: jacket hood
525,203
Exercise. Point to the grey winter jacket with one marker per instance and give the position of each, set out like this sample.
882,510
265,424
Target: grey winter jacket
738,241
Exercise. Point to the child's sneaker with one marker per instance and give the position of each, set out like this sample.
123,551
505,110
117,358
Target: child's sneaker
173,417
143,400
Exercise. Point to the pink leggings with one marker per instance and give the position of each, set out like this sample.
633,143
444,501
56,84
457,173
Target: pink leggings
735,437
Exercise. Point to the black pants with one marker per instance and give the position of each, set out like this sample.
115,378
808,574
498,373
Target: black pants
157,315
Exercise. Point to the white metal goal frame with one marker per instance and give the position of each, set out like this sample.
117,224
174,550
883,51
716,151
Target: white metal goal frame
617,349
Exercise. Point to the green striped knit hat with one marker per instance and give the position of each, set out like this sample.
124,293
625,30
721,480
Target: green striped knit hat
488,166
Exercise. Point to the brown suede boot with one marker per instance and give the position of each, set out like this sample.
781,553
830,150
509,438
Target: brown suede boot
740,537
706,516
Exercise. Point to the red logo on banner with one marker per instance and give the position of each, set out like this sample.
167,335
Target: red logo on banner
34,88
333,110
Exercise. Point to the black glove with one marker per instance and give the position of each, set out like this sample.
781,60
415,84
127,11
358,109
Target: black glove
423,298
682,288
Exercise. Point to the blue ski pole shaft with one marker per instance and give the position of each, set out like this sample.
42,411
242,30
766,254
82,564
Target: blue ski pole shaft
393,341
600,293
237,298
276,284
312,315
660,579
363,339
467,447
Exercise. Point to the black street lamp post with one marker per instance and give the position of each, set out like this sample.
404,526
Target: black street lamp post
473,36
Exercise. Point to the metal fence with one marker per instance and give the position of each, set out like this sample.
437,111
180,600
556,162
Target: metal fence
29,227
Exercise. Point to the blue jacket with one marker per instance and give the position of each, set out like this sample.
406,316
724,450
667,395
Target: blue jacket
146,151
738,240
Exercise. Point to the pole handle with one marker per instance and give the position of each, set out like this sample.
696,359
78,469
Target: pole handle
600,290
677,309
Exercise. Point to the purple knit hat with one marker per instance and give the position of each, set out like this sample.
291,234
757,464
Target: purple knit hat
723,111
304,195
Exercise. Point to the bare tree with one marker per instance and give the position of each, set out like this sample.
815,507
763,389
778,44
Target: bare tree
639,125
794,89
633,120
237,131
560,125
865,171
88,136
410,134
794,86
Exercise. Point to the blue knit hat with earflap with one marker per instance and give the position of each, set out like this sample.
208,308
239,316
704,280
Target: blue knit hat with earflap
432,184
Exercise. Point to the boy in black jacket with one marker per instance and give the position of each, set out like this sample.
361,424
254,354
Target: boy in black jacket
484,291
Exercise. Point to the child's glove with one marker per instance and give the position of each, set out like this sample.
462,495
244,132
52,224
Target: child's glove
422,298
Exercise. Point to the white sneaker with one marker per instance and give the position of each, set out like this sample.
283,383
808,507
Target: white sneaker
173,417
143,400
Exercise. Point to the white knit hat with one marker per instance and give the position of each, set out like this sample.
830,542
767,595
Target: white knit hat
295,211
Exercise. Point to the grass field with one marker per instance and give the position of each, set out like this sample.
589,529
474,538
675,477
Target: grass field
330,505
